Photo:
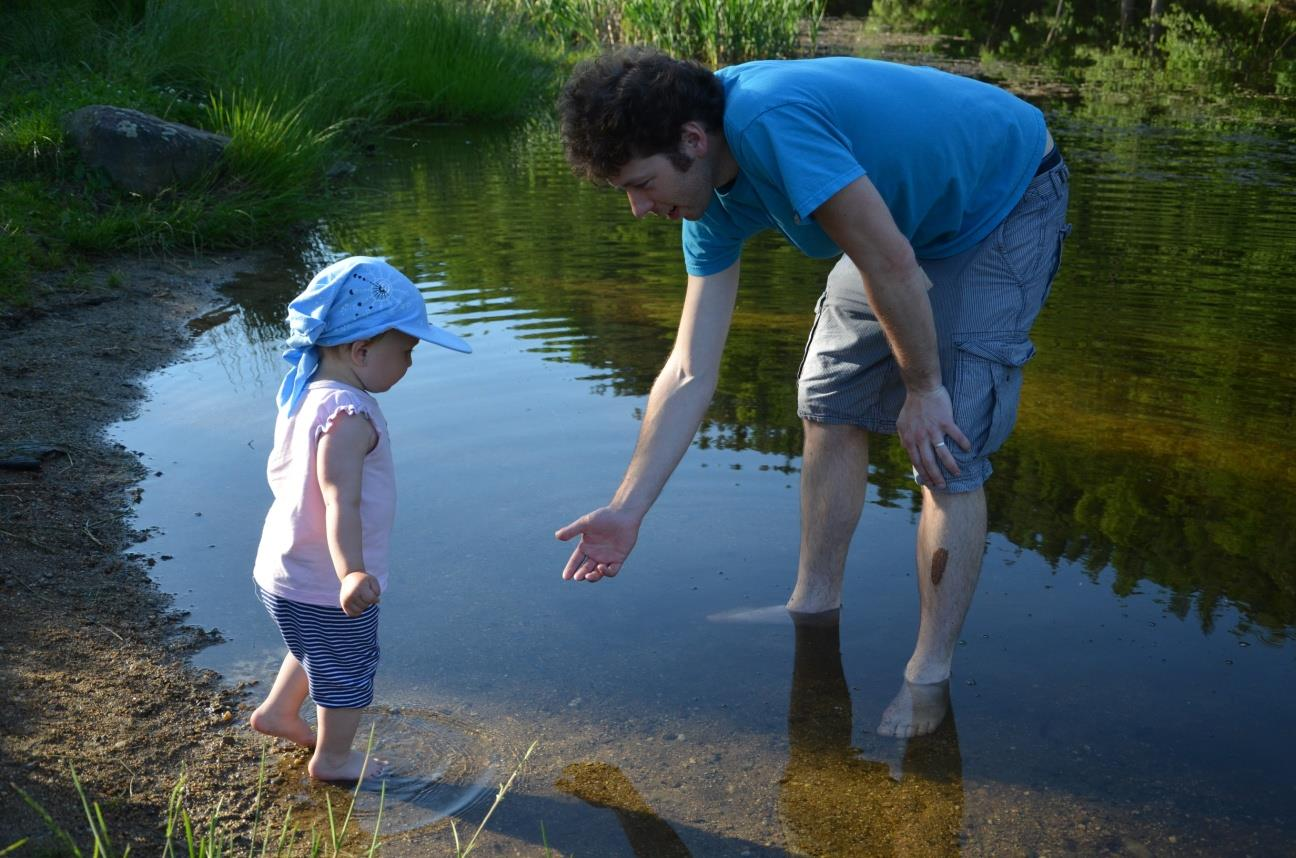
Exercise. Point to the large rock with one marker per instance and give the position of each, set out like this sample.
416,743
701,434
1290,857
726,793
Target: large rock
139,152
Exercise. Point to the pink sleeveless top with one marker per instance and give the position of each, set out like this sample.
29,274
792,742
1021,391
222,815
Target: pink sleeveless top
293,560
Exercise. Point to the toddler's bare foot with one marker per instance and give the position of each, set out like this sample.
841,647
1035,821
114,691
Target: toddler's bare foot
348,769
293,728
916,711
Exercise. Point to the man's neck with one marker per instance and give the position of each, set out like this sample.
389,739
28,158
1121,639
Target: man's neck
726,168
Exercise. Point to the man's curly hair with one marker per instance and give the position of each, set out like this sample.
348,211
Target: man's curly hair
633,103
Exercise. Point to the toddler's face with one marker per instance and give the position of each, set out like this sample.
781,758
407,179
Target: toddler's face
386,361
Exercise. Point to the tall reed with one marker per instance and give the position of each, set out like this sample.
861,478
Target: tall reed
715,31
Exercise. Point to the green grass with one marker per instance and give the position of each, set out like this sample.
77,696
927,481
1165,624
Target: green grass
347,60
186,837
296,84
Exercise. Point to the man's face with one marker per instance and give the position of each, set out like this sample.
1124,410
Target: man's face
654,185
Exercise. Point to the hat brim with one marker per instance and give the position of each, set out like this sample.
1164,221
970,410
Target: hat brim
428,332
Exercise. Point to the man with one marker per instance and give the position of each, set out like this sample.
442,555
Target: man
947,200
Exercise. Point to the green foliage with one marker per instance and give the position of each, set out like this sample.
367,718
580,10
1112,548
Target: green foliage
1215,45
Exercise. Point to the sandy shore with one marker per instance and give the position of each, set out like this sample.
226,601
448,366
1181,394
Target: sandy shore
94,660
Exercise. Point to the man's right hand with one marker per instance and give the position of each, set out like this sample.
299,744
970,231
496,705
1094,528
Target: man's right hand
607,537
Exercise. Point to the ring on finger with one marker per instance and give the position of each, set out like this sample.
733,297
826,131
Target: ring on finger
941,444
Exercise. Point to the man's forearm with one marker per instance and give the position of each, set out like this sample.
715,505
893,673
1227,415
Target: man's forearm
904,310
675,409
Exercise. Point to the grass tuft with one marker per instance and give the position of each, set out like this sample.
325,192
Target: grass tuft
186,837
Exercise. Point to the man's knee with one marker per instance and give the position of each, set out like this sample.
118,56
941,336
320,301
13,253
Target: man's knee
832,432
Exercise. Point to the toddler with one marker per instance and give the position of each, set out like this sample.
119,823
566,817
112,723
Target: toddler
321,567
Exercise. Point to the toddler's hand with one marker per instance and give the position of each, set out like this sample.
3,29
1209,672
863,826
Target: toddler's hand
359,591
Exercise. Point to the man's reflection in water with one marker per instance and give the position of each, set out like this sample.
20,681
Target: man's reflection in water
832,802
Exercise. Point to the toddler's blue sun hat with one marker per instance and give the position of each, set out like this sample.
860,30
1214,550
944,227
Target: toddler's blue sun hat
356,298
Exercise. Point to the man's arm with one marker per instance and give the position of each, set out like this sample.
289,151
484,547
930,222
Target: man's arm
857,219
676,405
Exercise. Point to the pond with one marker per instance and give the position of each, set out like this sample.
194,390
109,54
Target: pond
1126,681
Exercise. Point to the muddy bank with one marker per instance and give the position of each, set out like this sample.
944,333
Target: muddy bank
93,658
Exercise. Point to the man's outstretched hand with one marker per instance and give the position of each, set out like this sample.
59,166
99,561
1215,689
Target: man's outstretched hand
607,537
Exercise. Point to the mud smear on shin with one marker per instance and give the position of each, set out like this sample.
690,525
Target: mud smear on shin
940,558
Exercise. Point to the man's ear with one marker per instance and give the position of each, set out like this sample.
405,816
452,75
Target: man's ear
694,139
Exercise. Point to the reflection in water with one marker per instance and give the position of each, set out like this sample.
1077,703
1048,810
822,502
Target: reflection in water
604,785
834,802
1155,419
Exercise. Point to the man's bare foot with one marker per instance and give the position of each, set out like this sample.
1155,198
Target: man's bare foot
294,728
814,599
817,619
916,711
349,769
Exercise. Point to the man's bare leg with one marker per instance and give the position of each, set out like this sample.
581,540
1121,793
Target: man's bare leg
834,479
280,713
951,542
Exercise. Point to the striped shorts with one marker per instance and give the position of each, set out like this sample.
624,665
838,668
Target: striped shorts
983,301
339,653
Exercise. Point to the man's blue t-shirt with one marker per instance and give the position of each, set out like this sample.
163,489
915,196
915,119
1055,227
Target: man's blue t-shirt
949,155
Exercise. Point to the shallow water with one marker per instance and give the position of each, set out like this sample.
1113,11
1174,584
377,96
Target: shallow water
1125,683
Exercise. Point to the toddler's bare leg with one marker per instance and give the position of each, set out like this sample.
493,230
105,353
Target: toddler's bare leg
280,713
335,759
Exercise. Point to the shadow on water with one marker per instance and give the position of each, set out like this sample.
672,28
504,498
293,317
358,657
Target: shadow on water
604,785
